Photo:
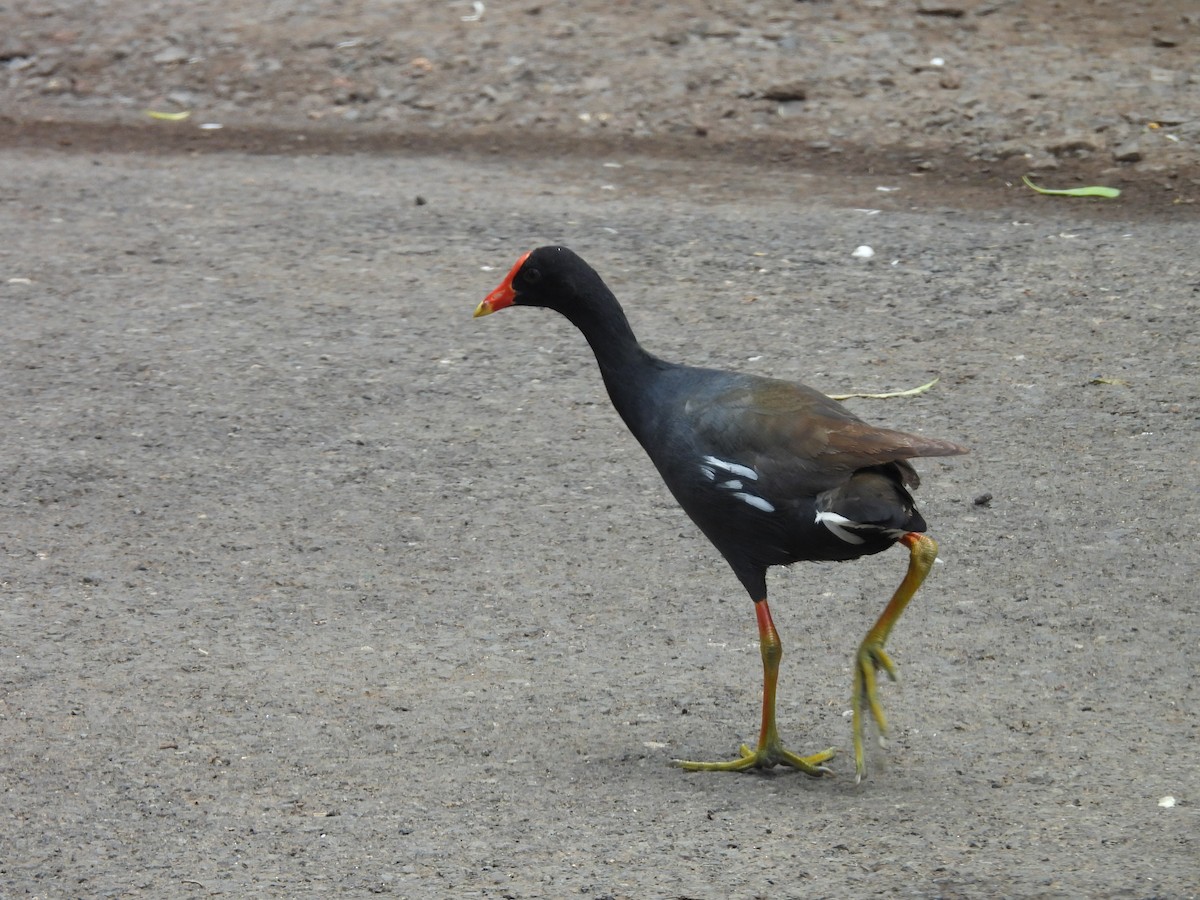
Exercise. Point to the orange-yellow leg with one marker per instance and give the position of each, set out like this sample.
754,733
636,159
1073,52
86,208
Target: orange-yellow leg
770,751
872,657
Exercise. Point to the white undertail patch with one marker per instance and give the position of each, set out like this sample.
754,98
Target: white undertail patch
838,525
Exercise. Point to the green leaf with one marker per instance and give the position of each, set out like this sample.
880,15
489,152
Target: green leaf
1093,191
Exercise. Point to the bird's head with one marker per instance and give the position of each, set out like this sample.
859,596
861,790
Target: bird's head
551,277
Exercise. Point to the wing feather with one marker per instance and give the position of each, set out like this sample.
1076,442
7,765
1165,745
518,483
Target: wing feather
781,427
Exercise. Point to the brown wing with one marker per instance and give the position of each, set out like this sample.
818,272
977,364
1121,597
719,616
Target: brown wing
783,427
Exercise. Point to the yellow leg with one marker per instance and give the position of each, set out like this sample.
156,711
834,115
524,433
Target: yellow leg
770,751
872,657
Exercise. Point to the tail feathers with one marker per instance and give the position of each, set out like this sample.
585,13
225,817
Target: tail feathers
871,501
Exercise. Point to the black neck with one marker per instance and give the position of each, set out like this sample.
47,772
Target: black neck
625,365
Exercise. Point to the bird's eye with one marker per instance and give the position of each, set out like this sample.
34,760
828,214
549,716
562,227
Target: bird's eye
531,277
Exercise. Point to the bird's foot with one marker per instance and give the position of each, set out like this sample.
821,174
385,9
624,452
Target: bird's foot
768,755
870,660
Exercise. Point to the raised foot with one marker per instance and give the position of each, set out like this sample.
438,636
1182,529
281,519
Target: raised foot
870,659
765,757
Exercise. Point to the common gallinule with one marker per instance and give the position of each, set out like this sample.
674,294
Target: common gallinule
771,471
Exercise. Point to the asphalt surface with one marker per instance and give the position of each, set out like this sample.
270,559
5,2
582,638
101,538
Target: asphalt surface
313,584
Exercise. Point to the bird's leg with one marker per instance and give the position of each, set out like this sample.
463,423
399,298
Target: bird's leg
872,657
770,751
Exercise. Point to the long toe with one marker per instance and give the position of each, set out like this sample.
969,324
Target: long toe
864,700
764,757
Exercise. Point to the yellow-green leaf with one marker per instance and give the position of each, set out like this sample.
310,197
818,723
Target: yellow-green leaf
168,116
1092,191
911,392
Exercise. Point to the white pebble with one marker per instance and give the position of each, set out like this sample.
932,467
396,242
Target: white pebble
863,252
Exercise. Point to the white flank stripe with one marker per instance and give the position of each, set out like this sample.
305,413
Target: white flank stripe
732,468
757,502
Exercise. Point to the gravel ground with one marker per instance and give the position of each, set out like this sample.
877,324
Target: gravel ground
312,584
1045,85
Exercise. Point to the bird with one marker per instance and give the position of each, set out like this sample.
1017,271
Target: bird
771,471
